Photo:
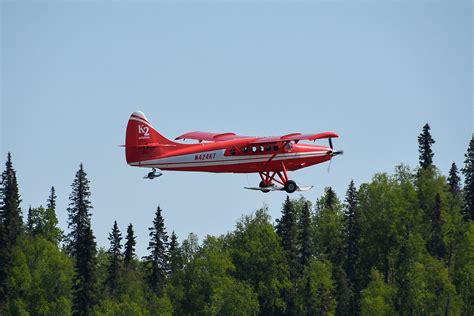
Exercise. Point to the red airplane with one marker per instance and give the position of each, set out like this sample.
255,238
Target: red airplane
270,157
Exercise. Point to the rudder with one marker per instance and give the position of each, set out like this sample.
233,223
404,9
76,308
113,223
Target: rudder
142,140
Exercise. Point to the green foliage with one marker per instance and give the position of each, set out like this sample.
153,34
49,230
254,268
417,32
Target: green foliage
233,298
41,278
315,289
378,298
43,222
463,276
208,270
304,236
328,226
436,245
260,261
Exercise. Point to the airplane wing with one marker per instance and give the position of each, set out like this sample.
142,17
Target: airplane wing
219,137
211,137
295,137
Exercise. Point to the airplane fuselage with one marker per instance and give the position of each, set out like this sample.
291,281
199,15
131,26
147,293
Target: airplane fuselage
237,157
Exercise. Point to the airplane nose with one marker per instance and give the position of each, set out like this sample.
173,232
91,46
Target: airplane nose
337,153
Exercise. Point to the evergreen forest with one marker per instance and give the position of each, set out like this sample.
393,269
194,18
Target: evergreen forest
400,244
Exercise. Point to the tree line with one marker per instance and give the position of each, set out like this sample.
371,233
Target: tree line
400,244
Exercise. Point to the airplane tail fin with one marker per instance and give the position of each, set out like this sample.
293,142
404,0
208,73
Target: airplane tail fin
142,140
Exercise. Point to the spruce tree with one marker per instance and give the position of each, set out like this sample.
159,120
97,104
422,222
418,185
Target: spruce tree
51,204
352,235
129,253
115,259
5,265
157,261
82,245
330,199
352,230
11,226
29,220
343,292
287,230
78,210
174,256
10,211
85,278
52,232
468,172
425,141
305,236
454,180
436,245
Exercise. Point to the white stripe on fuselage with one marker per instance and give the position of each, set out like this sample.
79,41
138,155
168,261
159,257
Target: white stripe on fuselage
217,158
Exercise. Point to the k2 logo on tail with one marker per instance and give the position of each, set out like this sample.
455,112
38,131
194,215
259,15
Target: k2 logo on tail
143,132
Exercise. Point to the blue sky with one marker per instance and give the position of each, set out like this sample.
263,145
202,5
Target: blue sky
72,73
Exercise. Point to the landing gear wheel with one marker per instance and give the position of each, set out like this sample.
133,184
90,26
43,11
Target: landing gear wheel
290,186
262,185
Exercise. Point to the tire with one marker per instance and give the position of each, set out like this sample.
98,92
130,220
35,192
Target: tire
262,185
290,186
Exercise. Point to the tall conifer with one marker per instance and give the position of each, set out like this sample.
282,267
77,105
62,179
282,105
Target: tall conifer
85,278
287,230
468,172
454,181
436,245
82,245
11,226
115,259
305,236
174,256
352,230
425,141
129,253
330,198
157,260
51,204
10,210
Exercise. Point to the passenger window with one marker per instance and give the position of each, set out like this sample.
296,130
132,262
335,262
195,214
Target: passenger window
246,149
232,151
254,149
261,148
275,148
268,148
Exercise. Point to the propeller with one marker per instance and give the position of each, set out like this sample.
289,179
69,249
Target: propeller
333,153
